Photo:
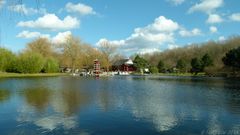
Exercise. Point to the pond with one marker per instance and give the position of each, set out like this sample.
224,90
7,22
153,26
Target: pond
131,105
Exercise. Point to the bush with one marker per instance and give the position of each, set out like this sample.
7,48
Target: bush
30,62
153,70
6,59
51,66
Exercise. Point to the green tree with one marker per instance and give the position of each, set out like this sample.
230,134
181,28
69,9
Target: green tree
153,70
161,66
6,59
140,63
207,60
30,62
232,59
51,66
181,65
196,65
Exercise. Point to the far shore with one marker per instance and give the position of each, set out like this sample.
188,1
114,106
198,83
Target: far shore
9,75
173,74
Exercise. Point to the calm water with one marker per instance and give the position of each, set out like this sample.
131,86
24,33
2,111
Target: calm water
119,106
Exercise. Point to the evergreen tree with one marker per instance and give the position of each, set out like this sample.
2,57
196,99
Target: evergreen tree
206,60
181,65
140,63
160,66
196,65
232,58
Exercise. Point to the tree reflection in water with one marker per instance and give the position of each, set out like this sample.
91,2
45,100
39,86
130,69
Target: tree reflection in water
37,97
4,95
73,100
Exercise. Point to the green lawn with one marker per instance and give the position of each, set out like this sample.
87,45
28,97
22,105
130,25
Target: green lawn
180,74
7,75
174,74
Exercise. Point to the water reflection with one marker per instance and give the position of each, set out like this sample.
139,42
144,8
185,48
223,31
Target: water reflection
108,106
73,100
4,95
37,97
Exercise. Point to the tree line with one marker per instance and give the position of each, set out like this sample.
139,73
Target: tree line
212,58
41,56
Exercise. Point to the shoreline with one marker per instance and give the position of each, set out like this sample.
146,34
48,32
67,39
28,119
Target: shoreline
173,74
12,75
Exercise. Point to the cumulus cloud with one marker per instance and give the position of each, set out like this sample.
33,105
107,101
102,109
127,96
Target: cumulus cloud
176,2
191,33
61,37
51,22
213,29
206,6
214,18
235,17
28,35
150,37
21,8
79,8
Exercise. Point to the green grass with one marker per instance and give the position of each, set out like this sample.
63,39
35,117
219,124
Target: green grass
180,74
9,75
173,74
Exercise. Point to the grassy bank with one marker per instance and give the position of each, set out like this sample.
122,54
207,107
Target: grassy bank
8,75
173,74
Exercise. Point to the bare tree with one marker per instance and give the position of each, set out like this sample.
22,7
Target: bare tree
108,51
41,46
71,54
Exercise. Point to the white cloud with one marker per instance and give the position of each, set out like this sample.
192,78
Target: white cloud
21,8
148,38
206,6
235,17
163,24
214,18
28,35
54,121
2,2
176,2
193,32
172,46
222,38
114,42
79,8
61,37
151,50
51,22
213,29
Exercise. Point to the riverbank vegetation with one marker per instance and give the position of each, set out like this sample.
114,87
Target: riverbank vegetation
215,58
41,56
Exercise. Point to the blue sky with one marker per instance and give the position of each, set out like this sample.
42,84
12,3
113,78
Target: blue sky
132,25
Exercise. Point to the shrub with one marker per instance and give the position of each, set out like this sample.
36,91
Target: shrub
153,70
30,62
6,59
51,66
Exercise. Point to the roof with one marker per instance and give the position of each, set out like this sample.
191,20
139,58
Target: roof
123,61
